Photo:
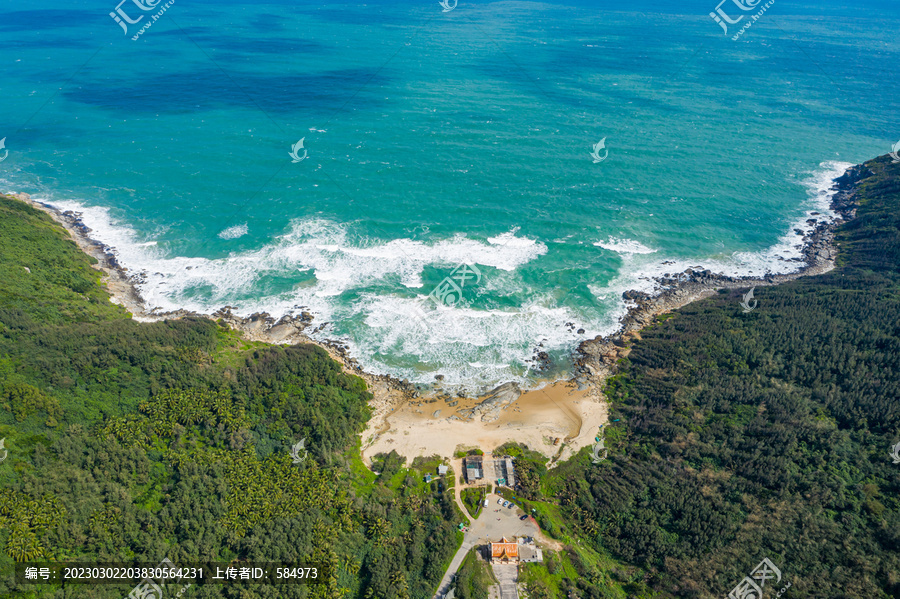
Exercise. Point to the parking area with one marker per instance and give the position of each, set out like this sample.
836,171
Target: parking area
494,523
497,521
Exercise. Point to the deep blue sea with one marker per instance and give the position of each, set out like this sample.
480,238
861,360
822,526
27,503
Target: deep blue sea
435,138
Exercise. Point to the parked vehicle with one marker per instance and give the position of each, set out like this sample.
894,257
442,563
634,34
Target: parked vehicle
486,503
499,502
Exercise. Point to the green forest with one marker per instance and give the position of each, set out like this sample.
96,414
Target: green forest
734,437
745,436
135,442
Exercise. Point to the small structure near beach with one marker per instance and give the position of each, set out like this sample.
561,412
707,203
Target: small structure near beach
474,469
504,472
509,472
529,552
504,552
514,551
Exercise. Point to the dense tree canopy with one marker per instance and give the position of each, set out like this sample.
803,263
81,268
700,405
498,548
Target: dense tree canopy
738,437
139,441
745,436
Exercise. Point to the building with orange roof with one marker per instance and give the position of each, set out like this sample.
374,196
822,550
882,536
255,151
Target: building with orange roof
505,552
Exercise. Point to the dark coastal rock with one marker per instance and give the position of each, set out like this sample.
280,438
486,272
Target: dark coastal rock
844,201
494,402
636,296
852,176
540,359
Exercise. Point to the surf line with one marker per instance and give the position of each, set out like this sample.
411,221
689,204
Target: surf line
753,20
153,19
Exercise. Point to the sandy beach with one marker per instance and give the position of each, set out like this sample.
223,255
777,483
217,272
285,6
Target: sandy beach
558,419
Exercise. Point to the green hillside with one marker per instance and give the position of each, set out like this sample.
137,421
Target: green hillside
736,437
137,442
744,436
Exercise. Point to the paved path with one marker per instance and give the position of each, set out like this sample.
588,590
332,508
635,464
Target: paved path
507,575
495,522
446,581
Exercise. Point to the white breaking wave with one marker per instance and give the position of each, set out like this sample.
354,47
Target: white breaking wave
471,348
624,246
234,232
786,256
323,252
320,246
418,338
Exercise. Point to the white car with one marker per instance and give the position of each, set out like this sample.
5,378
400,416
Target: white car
486,503
499,502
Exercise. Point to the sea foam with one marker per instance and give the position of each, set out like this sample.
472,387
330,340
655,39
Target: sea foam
624,246
234,232
641,273
337,271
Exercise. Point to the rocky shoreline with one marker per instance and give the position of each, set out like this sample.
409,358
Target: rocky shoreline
122,286
596,359
593,361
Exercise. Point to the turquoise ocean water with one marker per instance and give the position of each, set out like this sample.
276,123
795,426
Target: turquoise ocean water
434,139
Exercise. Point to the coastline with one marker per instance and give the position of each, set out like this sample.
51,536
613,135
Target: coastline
595,359
557,420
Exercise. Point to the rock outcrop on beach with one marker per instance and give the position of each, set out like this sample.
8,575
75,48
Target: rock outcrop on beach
283,330
492,405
